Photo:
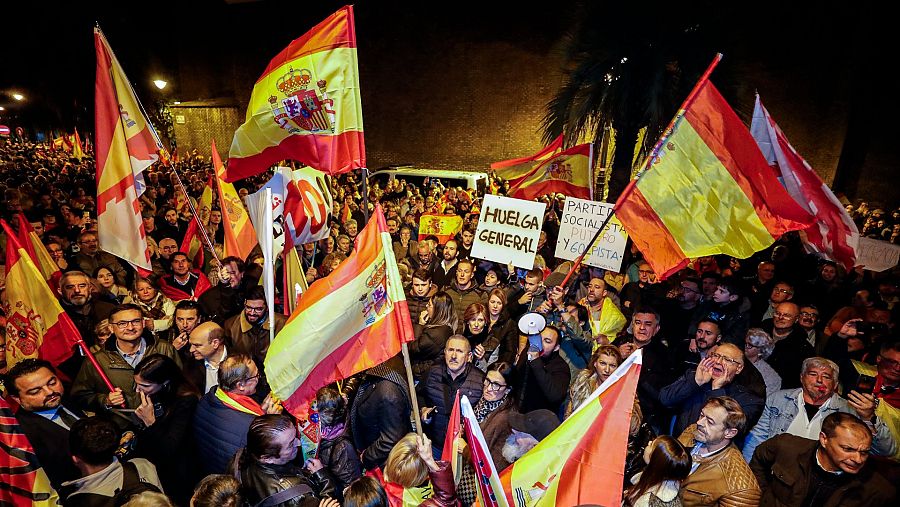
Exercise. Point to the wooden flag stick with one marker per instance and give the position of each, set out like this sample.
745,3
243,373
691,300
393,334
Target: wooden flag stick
412,389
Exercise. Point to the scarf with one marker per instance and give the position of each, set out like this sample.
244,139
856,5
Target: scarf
239,402
484,408
331,432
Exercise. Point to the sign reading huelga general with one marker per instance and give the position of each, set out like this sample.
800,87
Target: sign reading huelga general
579,223
508,231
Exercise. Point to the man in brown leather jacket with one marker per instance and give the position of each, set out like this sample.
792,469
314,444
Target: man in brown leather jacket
719,475
829,472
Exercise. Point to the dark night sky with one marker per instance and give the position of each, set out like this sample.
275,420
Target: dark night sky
214,48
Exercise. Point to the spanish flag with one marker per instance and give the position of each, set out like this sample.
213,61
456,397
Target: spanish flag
126,145
240,238
351,320
36,325
570,172
515,170
583,461
444,227
22,480
38,253
306,106
706,189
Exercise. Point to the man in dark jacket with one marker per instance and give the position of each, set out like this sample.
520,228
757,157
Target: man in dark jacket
379,415
791,345
456,374
729,310
830,472
464,291
714,376
78,303
267,469
224,414
421,291
43,418
545,375
226,299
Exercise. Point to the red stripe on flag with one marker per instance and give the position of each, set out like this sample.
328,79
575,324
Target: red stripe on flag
336,31
297,147
727,136
652,235
546,187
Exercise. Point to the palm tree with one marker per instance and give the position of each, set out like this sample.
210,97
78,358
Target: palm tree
629,66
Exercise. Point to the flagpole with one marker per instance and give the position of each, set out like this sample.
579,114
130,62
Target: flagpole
270,268
412,388
204,237
365,196
590,245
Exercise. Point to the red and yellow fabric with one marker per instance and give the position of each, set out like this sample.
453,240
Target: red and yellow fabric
570,172
306,106
77,150
708,190
351,320
397,495
192,245
294,277
583,461
240,238
239,402
36,325
514,170
490,490
23,483
38,253
126,145
445,227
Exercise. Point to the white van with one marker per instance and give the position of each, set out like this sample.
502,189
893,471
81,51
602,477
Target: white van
426,178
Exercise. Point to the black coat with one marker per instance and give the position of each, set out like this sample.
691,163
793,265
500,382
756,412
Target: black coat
440,392
219,432
545,382
341,459
262,480
379,416
51,445
788,355
427,348
169,445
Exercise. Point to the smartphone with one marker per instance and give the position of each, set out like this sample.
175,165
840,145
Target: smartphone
865,384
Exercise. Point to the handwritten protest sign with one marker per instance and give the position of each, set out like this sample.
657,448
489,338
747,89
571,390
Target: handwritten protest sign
508,231
876,255
579,223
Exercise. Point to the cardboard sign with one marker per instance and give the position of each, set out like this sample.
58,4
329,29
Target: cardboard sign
579,223
876,255
508,231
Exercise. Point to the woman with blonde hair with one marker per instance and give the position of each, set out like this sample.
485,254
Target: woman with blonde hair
604,361
413,478
158,310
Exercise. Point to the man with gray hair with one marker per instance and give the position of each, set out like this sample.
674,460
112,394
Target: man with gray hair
758,346
801,411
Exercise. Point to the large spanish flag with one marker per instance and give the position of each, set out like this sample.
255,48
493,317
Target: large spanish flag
38,253
240,238
306,106
583,461
126,145
36,325
514,170
351,320
569,172
706,189
23,483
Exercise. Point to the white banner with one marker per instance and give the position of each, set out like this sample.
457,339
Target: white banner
508,231
579,223
876,255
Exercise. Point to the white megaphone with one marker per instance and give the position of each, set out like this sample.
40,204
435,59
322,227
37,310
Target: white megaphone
531,325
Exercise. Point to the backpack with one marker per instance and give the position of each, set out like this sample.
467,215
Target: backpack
132,484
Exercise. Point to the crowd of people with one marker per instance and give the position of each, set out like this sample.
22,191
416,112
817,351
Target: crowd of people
764,381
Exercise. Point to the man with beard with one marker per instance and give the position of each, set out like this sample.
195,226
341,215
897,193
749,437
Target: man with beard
464,291
443,381
118,359
76,298
90,257
163,263
424,258
713,377
801,411
606,320
445,271
187,317
171,227
249,330
42,416
184,282
829,471
545,375
719,475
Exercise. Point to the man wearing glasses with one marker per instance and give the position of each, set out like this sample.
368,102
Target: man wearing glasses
249,330
713,377
791,345
117,360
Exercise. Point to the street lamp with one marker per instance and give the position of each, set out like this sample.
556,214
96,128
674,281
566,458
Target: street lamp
160,83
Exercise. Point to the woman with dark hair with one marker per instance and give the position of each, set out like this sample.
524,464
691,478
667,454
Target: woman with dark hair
166,413
110,291
435,325
474,328
504,341
659,485
336,451
493,409
365,492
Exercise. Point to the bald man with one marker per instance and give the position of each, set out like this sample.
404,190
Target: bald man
791,345
207,344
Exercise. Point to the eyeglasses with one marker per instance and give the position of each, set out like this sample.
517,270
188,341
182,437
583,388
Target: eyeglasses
123,324
645,271
749,345
779,315
733,362
888,363
783,291
257,309
248,379
809,314
688,289
494,386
